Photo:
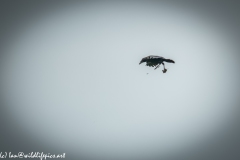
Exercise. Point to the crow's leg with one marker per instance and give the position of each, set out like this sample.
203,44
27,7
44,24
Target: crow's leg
158,66
165,70
163,66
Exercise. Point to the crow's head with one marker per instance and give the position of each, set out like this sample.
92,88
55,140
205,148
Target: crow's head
143,60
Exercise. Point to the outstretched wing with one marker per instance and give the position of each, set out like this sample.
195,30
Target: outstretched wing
151,64
155,57
151,60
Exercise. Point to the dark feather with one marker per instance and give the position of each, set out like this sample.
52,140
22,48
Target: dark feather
153,61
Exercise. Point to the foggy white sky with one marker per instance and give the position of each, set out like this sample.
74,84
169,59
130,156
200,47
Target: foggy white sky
75,79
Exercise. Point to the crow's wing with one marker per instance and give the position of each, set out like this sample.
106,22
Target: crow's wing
151,59
155,57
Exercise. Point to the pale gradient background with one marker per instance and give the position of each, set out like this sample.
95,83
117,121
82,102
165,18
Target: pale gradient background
70,80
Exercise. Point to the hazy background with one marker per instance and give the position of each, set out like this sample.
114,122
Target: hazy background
70,80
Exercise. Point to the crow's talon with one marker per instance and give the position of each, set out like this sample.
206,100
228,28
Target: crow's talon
165,70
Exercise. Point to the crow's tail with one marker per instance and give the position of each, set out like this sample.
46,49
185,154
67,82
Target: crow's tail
169,61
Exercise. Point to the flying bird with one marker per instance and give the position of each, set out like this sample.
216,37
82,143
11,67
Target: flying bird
156,61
